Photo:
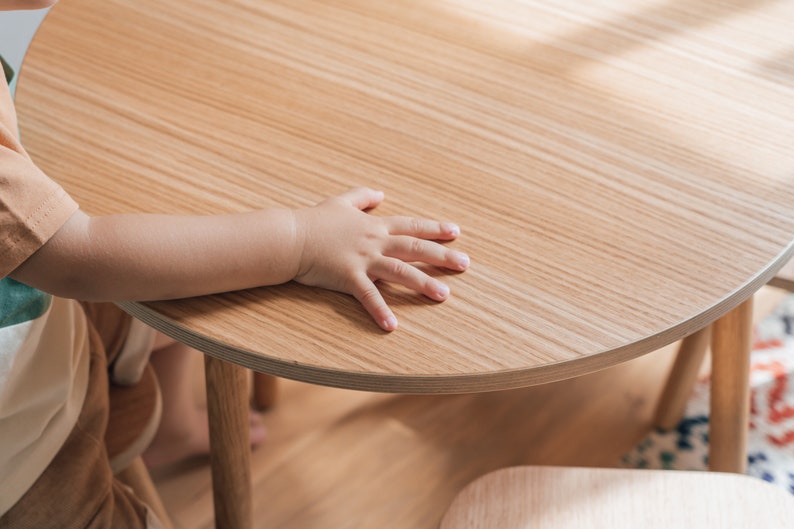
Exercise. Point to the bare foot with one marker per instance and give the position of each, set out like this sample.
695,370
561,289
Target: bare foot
189,437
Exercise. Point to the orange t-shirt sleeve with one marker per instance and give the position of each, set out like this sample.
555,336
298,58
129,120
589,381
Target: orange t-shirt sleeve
32,207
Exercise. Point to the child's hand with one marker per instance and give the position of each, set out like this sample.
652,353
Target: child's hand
347,250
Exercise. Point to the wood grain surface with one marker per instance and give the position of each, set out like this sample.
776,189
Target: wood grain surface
600,498
357,460
731,344
621,170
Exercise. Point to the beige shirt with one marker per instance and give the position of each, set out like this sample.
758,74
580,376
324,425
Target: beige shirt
44,357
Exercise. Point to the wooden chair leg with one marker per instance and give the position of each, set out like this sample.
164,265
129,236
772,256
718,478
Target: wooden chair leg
136,476
731,343
265,391
681,380
230,449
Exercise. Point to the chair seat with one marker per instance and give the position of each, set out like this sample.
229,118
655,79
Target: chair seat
593,498
133,421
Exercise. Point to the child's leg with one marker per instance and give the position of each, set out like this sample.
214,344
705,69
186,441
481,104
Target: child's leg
183,428
77,490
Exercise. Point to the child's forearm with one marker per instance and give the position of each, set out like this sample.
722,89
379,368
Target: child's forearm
146,257
334,245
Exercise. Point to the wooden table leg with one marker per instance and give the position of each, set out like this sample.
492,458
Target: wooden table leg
230,449
681,380
265,391
730,389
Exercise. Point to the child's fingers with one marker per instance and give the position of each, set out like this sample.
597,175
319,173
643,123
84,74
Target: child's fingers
422,228
402,273
412,249
362,198
371,299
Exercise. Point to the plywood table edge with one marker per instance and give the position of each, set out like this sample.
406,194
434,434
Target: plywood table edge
450,384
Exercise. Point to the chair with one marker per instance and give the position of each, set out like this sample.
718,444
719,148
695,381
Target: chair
598,498
132,424
689,358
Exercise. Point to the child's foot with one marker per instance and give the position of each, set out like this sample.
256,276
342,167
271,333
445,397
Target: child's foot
189,437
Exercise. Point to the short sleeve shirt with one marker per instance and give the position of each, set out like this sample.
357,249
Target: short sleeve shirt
44,357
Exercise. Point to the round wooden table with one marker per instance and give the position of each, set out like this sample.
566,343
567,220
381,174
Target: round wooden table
621,171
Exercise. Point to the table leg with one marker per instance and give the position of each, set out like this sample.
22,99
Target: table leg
681,380
265,391
730,389
230,450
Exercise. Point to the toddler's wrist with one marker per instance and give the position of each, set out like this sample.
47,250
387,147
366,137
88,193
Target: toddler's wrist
298,235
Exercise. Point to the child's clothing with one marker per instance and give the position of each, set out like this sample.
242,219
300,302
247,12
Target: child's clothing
53,385
77,489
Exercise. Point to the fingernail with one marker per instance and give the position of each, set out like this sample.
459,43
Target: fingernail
390,323
442,291
451,229
461,260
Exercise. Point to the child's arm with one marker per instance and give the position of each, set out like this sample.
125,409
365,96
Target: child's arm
334,245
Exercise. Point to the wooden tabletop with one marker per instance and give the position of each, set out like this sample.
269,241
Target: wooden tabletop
622,170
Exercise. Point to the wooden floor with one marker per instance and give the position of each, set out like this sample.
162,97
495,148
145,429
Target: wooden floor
351,460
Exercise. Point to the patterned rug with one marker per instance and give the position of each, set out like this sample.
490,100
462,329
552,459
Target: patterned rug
771,434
